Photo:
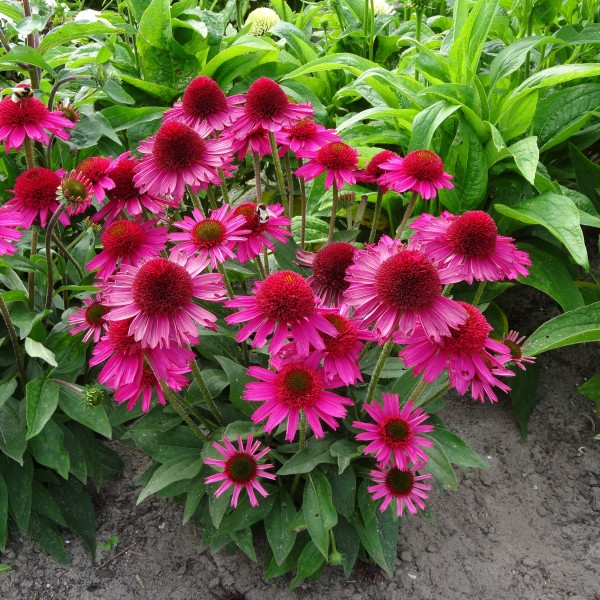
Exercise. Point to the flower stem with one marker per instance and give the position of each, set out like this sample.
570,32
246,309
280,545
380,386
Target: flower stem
278,170
290,183
302,208
419,23
196,201
333,213
206,392
211,198
301,446
68,255
226,281
266,261
223,185
58,84
447,289
479,292
15,342
29,157
436,396
416,392
261,269
50,272
385,352
256,162
31,275
411,204
376,216
180,410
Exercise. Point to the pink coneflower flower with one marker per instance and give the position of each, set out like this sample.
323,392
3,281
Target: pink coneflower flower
283,306
304,137
394,286
158,294
402,485
329,265
126,359
481,388
260,234
373,170
95,168
465,353
30,118
513,341
241,469
205,108
395,433
336,158
420,171
268,107
257,141
68,111
295,387
127,242
10,219
214,237
471,240
89,318
177,156
35,196
76,191
126,196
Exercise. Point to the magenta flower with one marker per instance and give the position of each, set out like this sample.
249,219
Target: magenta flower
95,169
177,156
395,433
305,137
211,238
420,171
394,286
294,388
158,295
257,141
373,170
128,243
76,190
35,196
125,196
283,306
205,108
30,118
268,107
471,240
89,318
261,234
241,469
9,221
513,340
465,353
329,266
402,485
337,159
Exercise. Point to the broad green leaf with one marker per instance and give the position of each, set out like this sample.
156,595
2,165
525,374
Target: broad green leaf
588,215
516,118
456,449
217,507
343,489
243,540
344,451
591,389
42,400
526,154
318,510
12,430
427,122
18,482
7,389
95,418
549,273
309,562
192,500
523,395
3,513
38,350
48,449
73,31
332,62
25,54
272,569
245,515
278,527
574,327
347,543
162,92
587,174
122,117
558,215
314,453
12,11
299,44
246,44
177,469
439,466
47,536
238,378
399,116
44,504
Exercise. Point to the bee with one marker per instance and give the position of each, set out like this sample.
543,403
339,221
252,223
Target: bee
263,213
20,92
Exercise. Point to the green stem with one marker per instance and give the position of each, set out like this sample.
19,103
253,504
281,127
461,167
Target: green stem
261,269
376,216
333,213
206,392
223,185
196,201
68,255
180,410
419,24
29,157
211,198
371,28
15,342
58,84
416,392
479,291
301,446
50,272
447,289
226,281
411,204
31,275
385,352
278,169
256,163
436,396
266,261
302,209
290,183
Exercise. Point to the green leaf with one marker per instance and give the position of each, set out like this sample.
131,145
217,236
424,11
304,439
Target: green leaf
7,389
48,449
78,511
12,430
243,540
245,515
246,44
192,500
516,118
456,449
314,453
344,451
523,395
587,174
278,527
217,507
37,350
343,489
174,470
95,418
558,215
238,378
573,327
550,274
122,117
44,504
427,122
333,62
18,482
318,510
439,466
25,54
591,389
347,543
526,154
42,400
3,513
74,31
163,92
309,562
46,535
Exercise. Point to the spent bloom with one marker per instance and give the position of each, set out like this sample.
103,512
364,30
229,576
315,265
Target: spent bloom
472,240
298,386
241,469
336,159
395,433
420,171
89,318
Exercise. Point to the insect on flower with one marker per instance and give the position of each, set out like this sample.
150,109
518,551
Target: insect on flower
264,214
20,92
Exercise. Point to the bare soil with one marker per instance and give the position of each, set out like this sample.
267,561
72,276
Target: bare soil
526,528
